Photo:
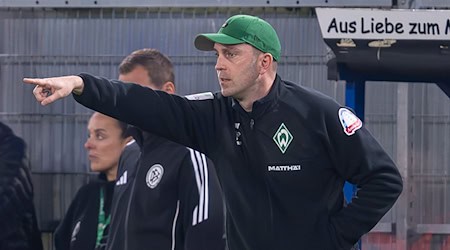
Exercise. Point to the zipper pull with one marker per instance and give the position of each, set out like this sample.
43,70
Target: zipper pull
252,122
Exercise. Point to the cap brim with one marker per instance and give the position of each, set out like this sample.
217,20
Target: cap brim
206,41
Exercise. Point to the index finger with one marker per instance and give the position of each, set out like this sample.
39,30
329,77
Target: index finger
35,81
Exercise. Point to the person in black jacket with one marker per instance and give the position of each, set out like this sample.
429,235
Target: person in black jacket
85,225
282,152
18,223
167,196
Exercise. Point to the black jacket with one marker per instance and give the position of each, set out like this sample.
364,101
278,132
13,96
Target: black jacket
78,229
174,202
18,224
282,166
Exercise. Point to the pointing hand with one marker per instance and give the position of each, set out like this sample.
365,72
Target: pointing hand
48,90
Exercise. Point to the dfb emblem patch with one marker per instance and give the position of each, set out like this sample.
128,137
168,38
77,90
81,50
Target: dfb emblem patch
154,176
350,122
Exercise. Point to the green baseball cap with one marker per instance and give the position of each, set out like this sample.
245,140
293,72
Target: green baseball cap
243,29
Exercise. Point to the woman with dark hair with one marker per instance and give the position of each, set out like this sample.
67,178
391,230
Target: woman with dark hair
85,225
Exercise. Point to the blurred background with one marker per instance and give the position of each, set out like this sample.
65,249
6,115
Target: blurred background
44,38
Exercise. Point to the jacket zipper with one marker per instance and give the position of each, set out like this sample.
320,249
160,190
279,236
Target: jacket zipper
129,203
252,125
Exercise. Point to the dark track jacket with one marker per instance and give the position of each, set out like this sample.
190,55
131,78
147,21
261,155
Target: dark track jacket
282,166
168,199
78,229
18,224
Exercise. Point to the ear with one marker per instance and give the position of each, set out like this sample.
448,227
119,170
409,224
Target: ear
168,87
266,62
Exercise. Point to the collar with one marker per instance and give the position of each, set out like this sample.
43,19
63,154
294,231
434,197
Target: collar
102,177
136,133
262,105
145,139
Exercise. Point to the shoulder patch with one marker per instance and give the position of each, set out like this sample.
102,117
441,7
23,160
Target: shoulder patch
200,96
349,121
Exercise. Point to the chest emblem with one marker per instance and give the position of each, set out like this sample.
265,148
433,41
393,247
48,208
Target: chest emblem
283,138
154,175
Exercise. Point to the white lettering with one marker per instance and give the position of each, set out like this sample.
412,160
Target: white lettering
284,168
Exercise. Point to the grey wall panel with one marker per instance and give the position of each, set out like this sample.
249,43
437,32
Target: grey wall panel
195,74
425,4
189,3
380,120
381,113
103,32
430,169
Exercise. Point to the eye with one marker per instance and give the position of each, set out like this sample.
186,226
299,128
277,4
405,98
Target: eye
99,136
230,54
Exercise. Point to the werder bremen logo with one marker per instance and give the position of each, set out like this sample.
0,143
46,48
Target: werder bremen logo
283,138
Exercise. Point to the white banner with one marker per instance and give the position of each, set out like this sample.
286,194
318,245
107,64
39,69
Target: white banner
340,23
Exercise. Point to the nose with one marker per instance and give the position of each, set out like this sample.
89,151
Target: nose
88,144
219,63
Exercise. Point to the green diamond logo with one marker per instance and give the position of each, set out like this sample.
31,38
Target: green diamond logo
283,138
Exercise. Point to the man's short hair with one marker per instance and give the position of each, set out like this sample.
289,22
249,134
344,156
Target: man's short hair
158,66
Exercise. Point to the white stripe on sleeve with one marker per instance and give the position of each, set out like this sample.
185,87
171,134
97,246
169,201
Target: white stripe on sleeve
200,166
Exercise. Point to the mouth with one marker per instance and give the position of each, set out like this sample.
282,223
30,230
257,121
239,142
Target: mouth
92,157
223,80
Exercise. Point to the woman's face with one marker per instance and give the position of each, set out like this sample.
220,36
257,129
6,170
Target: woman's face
104,144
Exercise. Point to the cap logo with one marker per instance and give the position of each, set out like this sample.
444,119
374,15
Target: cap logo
154,176
283,138
225,24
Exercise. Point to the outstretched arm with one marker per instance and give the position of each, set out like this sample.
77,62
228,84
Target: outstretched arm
48,90
176,118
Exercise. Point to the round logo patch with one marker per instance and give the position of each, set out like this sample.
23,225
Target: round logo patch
154,175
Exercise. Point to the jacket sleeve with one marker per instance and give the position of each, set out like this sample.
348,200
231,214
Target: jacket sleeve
170,116
189,190
15,187
201,203
360,160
